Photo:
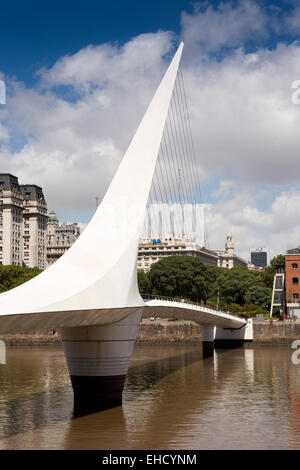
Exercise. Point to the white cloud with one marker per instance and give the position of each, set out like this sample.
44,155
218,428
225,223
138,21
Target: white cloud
277,228
243,116
108,65
210,28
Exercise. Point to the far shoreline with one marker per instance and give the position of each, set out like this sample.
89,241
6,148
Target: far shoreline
171,332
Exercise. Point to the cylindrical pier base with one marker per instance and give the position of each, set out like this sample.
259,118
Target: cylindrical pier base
98,358
208,337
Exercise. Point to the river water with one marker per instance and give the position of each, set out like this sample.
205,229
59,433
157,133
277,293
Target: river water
173,399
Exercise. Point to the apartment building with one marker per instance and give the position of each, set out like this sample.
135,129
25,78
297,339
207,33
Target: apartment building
34,226
286,286
11,220
152,250
23,223
59,237
292,281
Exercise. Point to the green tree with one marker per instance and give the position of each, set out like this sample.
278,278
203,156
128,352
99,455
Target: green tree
12,276
268,276
182,276
260,295
143,282
187,277
279,259
235,284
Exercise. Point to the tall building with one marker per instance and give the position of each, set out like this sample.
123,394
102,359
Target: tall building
286,286
292,281
23,222
11,220
259,258
152,250
34,226
59,237
228,259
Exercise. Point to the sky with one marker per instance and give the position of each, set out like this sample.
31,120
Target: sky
79,76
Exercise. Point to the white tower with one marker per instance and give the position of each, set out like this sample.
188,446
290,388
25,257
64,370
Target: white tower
229,245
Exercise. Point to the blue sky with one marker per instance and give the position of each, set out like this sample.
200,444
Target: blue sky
34,34
80,74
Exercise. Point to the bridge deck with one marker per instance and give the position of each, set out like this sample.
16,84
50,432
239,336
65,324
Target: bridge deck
200,314
152,308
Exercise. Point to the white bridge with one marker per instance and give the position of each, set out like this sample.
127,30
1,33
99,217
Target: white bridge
166,308
218,327
91,292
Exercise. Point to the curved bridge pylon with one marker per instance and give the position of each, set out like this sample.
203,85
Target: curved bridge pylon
91,292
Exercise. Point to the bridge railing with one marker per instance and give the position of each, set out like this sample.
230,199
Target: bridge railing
187,302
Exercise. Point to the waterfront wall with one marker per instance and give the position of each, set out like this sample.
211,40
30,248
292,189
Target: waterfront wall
177,332
275,333
162,332
37,338
169,333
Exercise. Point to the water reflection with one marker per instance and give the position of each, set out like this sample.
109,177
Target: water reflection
52,406
242,398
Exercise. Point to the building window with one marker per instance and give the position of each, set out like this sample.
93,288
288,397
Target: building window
278,282
294,265
295,296
295,280
278,297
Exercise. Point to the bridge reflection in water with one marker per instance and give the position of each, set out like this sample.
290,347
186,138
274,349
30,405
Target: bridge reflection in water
240,398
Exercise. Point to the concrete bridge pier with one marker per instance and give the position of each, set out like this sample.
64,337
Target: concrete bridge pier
234,337
208,337
98,358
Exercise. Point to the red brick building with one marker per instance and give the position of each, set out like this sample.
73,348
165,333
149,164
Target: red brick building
286,286
292,281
